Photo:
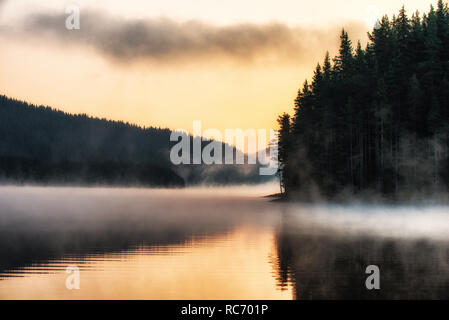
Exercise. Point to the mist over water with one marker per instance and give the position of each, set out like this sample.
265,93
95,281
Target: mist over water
214,243
401,222
324,251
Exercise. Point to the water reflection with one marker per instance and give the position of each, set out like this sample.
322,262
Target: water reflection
136,244
326,261
209,244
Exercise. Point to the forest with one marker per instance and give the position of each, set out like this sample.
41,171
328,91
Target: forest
374,119
42,145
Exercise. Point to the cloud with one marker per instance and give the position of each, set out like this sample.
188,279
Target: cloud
164,39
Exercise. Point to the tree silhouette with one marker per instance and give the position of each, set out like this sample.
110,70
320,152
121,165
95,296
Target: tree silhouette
375,118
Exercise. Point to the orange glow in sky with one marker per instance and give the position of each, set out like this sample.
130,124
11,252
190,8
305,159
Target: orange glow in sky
220,90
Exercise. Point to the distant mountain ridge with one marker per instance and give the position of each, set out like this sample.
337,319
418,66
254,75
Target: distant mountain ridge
46,146
42,145
47,134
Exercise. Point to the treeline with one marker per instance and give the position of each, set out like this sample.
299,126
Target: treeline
45,146
49,135
107,173
374,118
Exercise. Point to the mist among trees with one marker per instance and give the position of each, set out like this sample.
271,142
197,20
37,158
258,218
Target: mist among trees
41,145
374,118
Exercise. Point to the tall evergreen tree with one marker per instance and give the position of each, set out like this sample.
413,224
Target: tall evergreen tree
376,118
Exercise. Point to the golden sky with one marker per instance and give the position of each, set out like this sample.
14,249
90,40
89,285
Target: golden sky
231,64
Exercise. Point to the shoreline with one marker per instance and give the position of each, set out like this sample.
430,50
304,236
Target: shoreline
366,199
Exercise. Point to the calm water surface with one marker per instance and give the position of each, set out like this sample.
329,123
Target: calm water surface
138,244
214,244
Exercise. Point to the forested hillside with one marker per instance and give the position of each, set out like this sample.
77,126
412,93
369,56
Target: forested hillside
374,118
42,145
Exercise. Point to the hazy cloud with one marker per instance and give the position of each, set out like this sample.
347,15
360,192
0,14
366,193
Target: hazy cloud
164,39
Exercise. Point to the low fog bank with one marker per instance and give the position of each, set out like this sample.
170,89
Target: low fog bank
324,251
41,223
420,221
331,266
266,187
313,194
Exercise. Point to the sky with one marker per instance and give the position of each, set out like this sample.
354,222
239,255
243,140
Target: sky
231,64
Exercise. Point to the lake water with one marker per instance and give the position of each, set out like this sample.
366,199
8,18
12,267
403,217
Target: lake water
218,243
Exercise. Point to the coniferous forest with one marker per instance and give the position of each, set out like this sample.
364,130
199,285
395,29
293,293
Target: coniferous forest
375,118
41,145
45,146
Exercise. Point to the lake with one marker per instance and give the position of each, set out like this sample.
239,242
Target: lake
214,243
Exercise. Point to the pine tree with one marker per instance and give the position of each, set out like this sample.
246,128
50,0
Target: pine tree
365,117
284,140
343,62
